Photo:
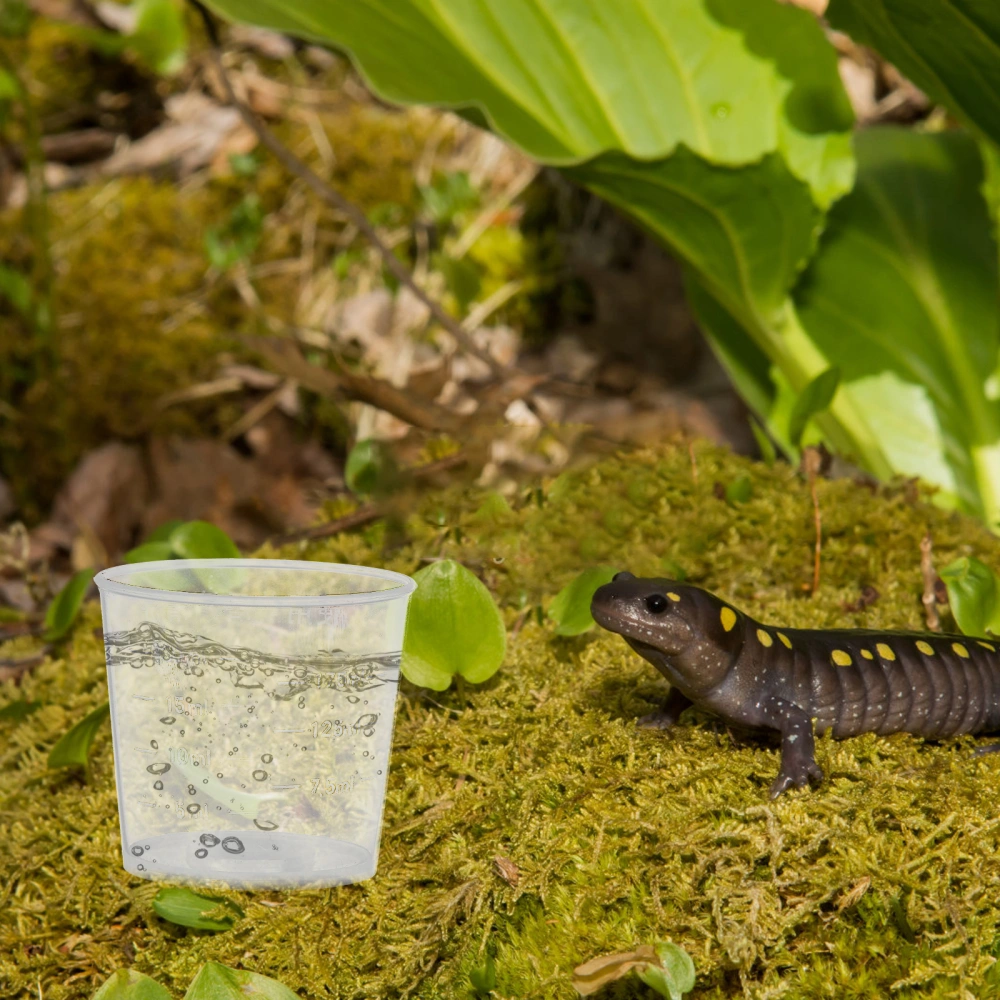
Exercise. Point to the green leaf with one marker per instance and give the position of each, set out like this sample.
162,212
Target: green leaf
739,490
15,18
18,711
448,195
163,532
73,749
16,289
948,48
813,399
768,453
973,596
150,552
902,298
463,278
189,909
570,608
160,36
126,984
676,976
201,540
452,627
219,982
65,605
371,469
484,979
730,80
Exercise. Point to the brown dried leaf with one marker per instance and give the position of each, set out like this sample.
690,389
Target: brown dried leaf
854,893
591,976
507,870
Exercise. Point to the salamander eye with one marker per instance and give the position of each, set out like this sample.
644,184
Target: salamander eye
656,603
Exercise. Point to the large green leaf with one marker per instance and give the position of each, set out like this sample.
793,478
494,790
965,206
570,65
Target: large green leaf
949,48
566,80
902,297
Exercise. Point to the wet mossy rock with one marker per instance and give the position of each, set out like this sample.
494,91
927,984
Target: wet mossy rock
886,876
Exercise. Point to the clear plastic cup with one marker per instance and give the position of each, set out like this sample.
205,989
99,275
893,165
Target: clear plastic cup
252,707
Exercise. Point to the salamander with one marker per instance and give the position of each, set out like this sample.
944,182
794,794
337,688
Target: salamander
798,682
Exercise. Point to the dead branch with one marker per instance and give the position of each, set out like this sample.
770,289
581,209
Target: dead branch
11,669
334,198
367,512
285,357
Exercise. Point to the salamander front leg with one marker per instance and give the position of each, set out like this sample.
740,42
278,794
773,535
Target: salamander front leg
798,749
667,716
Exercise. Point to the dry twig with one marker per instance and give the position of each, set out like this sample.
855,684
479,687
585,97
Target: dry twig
333,197
812,461
929,596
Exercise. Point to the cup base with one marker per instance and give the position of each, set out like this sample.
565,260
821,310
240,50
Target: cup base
242,859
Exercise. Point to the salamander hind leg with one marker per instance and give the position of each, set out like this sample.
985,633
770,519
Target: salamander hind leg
798,749
667,716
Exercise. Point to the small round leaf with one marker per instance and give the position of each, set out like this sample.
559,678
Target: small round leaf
126,984
570,608
201,540
452,627
219,982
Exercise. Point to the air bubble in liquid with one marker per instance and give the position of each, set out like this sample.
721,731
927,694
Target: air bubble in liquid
154,744
182,732
193,808
233,845
141,868
137,851
201,853
353,699
192,790
188,698
209,839
302,703
236,749
160,768
266,758
158,785
265,824
378,772
260,774
168,720
218,680
218,774
204,781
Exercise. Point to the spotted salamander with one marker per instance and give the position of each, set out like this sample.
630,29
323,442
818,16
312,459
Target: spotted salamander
800,681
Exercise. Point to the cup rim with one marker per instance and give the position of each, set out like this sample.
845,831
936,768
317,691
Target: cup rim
406,584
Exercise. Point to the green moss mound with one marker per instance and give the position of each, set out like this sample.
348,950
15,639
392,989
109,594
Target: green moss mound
883,882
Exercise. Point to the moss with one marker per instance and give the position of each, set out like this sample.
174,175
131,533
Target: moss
621,835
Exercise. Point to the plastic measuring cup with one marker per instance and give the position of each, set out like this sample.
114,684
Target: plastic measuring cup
252,707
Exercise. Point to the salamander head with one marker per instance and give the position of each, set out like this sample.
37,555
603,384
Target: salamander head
687,633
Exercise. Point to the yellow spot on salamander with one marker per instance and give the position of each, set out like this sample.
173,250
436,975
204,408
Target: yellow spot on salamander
765,639
986,645
784,638
841,658
867,654
960,649
925,647
674,597
884,651
728,617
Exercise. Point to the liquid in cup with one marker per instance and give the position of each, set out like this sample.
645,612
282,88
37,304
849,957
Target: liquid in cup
252,708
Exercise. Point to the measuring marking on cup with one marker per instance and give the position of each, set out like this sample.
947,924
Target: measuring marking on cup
252,707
